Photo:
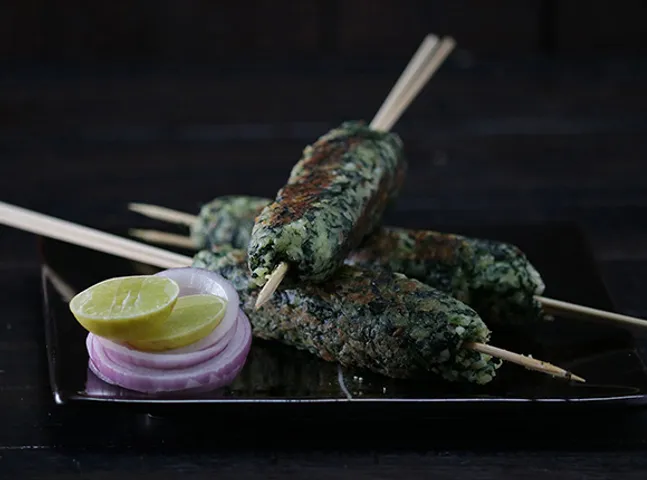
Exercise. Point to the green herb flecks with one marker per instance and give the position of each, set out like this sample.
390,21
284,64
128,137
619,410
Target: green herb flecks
227,220
371,319
494,278
334,198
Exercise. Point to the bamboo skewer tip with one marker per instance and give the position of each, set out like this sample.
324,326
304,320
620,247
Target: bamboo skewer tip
425,49
524,361
417,83
163,238
273,282
162,213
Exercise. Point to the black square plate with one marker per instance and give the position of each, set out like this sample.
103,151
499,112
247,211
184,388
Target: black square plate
280,379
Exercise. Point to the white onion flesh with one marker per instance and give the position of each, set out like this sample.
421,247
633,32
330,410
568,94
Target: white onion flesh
217,371
184,357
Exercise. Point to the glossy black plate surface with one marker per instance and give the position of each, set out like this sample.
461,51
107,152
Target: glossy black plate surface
277,377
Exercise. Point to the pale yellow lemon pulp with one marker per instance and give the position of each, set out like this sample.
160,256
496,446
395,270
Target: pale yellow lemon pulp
193,318
126,308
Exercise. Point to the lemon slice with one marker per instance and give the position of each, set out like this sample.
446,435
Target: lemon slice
125,308
193,318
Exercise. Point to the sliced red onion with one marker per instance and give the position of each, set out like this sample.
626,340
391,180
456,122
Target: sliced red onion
216,372
96,387
184,357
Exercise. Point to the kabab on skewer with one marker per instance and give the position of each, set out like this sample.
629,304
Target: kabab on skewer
404,250
372,319
494,278
334,198
288,330
339,189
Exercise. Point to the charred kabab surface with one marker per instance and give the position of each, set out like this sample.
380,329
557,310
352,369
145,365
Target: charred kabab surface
334,198
494,278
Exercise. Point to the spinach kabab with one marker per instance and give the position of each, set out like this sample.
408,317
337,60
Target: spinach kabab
334,198
495,278
372,319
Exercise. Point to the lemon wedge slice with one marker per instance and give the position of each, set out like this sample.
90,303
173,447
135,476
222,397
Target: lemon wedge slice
193,318
125,308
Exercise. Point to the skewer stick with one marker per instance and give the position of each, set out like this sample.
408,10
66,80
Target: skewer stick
527,362
415,76
69,232
402,102
550,305
271,284
65,290
40,224
273,281
558,306
163,238
161,213
427,46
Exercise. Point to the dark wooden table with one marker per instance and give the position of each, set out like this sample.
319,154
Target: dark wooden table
489,142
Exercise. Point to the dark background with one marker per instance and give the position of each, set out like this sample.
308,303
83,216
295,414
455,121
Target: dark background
540,114
206,32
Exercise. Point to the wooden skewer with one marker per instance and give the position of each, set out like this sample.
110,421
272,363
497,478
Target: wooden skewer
40,224
557,306
402,102
415,76
58,229
163,238
162,213
271,284
550,305
427,46
512,357
62,287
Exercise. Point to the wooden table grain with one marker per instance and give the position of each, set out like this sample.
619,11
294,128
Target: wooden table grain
525,142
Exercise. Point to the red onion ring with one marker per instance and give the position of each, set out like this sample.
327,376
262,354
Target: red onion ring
184,357
98,387
216,372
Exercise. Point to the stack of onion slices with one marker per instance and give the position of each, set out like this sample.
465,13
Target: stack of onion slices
209,363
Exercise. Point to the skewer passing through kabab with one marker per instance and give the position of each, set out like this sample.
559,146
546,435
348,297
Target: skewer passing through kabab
495,278
401,328
338,191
